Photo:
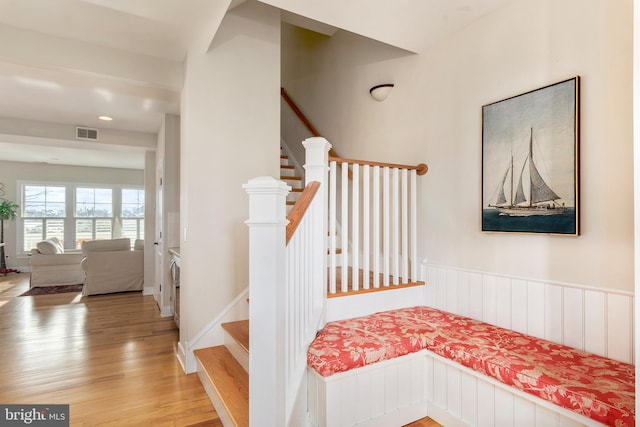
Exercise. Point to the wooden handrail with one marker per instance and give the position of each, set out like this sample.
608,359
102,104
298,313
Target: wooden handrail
299,209
302,117
420,169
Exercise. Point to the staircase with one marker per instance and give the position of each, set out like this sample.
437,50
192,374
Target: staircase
223,371
289,175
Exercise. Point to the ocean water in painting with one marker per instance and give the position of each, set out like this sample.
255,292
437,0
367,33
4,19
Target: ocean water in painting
556,224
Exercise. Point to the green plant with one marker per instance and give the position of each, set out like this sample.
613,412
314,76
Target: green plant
9,212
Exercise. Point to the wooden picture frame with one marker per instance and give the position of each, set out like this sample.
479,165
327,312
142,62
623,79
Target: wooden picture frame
530,161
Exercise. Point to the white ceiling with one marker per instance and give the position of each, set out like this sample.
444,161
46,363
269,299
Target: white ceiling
55,59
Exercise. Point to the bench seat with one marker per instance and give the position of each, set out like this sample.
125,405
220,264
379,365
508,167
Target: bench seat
593,386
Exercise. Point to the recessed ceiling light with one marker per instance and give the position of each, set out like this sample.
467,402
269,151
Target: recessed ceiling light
105,118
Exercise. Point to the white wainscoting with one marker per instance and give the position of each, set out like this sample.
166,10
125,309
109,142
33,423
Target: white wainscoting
596,320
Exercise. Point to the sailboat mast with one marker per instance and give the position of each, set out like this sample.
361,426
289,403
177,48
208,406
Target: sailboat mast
511,188
530,166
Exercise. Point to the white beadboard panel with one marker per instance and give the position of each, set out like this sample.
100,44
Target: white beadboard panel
524,413
463,293
503,302
441,289
594,312
553,313
535,309
486,405
377,388
469,399
475,296
440,378
596,320
404,384
573,310
504,401
619,334
489,306
452,291
454,391
391,398
365,392
520,303
545,417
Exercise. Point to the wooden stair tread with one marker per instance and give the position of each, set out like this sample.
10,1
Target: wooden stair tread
229,379
239,330
294,178
287,167
297,190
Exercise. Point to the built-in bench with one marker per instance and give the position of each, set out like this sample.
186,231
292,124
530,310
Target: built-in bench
594,388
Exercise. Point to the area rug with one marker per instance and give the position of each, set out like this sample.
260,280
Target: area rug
51,290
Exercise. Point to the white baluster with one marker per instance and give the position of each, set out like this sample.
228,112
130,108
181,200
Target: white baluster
376,226
395,221
366,227
405,227
355,227
344,220
386,244
332,226
414,227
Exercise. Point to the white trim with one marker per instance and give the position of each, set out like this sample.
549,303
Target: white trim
212,334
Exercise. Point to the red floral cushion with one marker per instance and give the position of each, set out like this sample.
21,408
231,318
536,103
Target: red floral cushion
591,385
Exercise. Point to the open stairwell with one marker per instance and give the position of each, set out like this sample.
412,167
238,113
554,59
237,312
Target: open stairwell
223,371
293,179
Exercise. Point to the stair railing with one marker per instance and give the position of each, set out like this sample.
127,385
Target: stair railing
288,272
287,288
377,212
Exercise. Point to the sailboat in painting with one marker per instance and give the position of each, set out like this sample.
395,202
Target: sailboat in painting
542,199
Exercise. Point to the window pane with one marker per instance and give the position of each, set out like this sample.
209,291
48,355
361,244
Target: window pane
32,232
44,201
55,228
93,202
133,203
34,209
84,231
103,229
130,229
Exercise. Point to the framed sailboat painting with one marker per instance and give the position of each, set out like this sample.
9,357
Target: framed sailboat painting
530,161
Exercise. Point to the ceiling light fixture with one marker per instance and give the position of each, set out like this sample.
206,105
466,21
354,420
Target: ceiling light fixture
105,118
381,92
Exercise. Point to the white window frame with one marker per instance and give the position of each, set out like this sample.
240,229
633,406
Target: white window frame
70,210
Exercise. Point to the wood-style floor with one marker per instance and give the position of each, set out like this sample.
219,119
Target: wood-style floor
110,357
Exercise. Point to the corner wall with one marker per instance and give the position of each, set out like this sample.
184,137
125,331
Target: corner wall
229,133
433,115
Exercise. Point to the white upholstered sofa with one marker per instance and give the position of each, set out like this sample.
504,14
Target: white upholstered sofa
51,266
111,266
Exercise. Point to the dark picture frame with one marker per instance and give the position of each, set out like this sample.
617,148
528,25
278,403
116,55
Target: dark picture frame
530,161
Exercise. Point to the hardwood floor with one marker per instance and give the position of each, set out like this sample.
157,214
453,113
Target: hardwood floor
110,357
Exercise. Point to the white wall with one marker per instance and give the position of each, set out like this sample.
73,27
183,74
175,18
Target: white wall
229,133
434,115
12,172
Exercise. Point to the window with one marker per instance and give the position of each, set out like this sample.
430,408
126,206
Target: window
94,214
43,210
132,213
75,213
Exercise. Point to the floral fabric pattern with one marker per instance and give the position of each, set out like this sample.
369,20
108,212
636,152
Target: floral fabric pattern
594,386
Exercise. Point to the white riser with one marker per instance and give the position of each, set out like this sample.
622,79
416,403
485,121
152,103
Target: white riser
236,351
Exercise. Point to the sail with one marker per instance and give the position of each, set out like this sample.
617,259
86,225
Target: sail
501,197
540,191
520,197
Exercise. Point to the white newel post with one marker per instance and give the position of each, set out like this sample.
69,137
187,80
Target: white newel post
267,225
317,169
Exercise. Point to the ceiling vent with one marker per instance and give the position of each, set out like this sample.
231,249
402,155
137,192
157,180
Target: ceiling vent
87,134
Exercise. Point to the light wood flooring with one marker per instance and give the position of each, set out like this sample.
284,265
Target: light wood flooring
110,357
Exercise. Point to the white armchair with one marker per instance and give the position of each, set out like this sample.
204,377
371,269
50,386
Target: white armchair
111,266
51,266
